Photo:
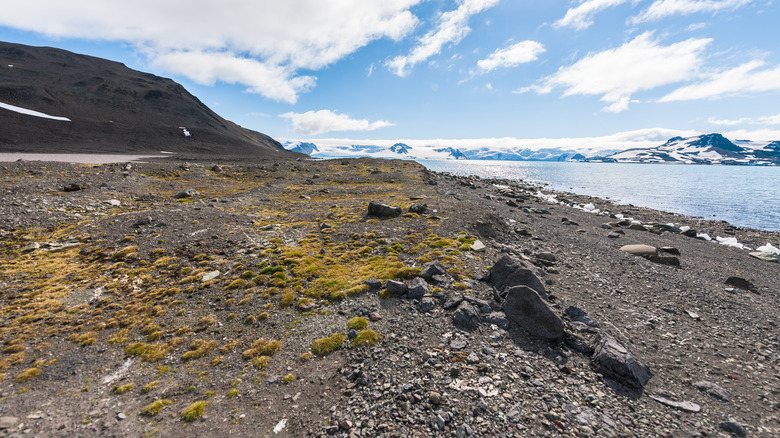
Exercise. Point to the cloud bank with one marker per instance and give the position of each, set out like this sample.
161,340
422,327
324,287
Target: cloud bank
616,74
322,121
258,44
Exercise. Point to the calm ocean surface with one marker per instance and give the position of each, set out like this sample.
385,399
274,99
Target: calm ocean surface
740,195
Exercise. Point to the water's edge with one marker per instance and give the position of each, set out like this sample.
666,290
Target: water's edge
743,196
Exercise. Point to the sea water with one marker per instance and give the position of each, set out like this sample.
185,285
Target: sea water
744,196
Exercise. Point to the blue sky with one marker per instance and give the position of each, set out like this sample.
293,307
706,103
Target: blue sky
467,73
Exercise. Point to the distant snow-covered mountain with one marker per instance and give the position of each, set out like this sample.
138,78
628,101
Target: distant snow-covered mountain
405,151
398,150
301,147
704,149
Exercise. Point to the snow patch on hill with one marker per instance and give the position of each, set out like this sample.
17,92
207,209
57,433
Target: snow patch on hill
30,112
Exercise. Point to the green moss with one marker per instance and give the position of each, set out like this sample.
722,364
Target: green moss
233,393
357,323
198,349
235,284
27,374
358,290
326,346
194,411
365,337
288,378
155,407
122,389
151,386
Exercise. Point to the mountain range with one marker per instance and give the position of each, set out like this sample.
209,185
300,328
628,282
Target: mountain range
702,149
52,100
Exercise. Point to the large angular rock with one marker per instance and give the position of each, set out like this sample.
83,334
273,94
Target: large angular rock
466,317
396,288
525,307
433,268
382,210
417,289
615,362
511,271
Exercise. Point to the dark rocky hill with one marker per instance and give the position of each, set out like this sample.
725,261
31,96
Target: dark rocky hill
111,108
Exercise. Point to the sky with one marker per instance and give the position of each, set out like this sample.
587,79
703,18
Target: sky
467,73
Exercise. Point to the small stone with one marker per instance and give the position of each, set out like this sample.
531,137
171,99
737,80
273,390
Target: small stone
8,422
210,276
189,193
472,359
713,390
733,428
374,316
121,416
458,342
345,425
427,304
741,283
670,250
478,246
435,398
418,208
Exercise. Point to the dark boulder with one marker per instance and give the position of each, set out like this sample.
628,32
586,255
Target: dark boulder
466,317
417,289
433,268
510,271
614,361
525,307
382,210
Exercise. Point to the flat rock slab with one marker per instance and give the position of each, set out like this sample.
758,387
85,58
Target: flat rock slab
511,271
650,253
613,360
713,389
683,405
525,307
640,250
766,256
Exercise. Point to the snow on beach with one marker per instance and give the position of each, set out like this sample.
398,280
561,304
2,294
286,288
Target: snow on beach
30,112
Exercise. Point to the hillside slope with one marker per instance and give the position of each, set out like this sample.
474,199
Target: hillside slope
110,109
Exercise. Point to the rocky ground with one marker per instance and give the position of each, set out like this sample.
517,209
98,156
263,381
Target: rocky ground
178,298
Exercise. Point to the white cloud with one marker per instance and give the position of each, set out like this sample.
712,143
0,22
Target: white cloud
514,55
273,39
206,68
744,79
763,120
664,8
319,122
581,17
452,28
616,74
